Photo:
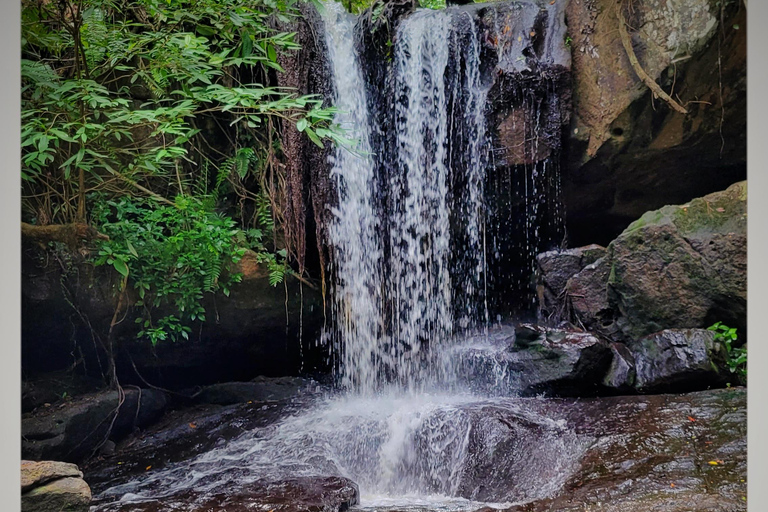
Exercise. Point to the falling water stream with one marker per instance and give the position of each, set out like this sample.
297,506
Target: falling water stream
410,277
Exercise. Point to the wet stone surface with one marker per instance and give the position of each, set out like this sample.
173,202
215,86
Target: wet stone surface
667,453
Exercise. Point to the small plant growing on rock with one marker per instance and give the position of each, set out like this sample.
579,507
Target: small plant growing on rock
735,357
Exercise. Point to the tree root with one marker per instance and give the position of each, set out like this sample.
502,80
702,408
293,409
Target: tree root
626,41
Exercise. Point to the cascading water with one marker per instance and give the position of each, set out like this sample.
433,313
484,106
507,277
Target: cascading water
357,300
412,257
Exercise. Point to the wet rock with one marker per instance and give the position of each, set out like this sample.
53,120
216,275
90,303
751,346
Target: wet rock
628,152
35,474
185,433
682,266
677,360
559,362
301,494
554,269
666,453
533,359
64,494
259,389
73,431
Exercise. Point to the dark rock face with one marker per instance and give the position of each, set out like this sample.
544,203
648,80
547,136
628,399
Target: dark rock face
678,267
628,152
676,360
73,431
256,330
621,373
587,299
260,389
554,269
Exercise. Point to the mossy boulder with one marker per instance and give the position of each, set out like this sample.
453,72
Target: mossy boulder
682,266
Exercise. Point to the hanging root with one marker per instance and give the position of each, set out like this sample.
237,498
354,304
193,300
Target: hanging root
626,41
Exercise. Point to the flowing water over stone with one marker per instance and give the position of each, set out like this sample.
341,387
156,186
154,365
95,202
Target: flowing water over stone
410,274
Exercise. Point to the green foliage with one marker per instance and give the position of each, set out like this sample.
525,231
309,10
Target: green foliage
172,255
118,95
358,6
735,357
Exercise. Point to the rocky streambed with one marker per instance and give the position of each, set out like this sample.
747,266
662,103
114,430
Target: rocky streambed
652,452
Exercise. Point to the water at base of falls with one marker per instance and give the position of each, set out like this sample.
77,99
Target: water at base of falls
429,450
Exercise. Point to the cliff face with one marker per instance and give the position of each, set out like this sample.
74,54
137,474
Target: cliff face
628,151
68,304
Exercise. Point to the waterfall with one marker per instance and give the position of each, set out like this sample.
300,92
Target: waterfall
401,289
419,281
354,232
446,195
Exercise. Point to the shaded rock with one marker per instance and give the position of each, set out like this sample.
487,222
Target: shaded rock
628,152
676,360
65,494
246,334
73,431
587,299
259,389
53,387
34,474
621,372
554,269
559,362
678,267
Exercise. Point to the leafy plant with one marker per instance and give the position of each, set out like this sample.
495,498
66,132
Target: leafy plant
172,255
121,97
735,357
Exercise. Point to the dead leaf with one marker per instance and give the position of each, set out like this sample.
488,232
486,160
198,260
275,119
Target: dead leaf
691,418
192,425
147,468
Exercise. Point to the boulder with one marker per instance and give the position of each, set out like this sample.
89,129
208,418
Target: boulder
627,151
677,360
682,266
35,474
532,359
73,431
65,494
554,269
621,372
